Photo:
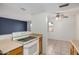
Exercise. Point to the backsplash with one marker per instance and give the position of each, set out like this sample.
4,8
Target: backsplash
6,36
15,35
23,33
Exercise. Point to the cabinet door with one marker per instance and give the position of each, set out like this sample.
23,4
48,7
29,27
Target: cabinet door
73,51
17,51
40,45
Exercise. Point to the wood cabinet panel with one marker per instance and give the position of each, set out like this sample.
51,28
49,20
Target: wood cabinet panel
40,45
17,51
73,51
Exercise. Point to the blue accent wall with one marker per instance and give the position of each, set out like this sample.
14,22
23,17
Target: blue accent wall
8,26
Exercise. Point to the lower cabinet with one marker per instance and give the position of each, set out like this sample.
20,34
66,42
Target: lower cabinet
40,45
73,51
17,51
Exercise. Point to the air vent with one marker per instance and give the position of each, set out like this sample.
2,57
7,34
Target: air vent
64,5
23,9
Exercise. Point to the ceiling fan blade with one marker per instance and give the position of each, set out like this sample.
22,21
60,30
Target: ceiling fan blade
64,5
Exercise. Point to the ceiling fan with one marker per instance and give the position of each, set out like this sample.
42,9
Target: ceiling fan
60,15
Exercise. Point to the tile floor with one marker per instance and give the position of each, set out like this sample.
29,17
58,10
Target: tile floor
58,47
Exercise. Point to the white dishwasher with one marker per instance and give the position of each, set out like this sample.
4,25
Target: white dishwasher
31,48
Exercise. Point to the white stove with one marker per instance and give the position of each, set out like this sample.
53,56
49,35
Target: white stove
30,44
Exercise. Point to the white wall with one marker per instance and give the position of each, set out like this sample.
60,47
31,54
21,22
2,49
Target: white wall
39,24
63,29
77,26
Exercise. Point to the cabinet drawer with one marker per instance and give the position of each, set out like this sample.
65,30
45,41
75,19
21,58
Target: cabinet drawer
16,51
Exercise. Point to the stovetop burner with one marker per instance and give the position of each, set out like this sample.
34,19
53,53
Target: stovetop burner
26,39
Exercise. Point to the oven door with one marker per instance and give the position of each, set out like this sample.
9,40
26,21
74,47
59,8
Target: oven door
31,48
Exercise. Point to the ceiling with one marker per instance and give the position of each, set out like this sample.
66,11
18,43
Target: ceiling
34,8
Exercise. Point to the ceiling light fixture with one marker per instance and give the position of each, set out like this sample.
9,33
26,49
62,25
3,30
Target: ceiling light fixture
60,16
57,16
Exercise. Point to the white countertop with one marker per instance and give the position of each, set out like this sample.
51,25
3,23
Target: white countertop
75,43
8,45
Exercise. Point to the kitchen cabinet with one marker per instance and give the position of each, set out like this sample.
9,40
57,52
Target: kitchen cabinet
17,51
73,50
40,43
